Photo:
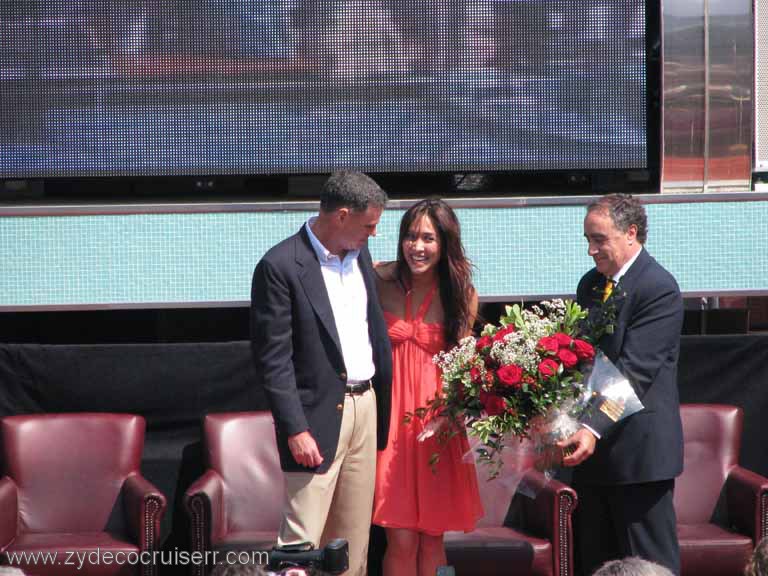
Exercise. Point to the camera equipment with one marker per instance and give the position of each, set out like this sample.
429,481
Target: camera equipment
333,559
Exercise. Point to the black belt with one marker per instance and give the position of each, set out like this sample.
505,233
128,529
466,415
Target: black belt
358,387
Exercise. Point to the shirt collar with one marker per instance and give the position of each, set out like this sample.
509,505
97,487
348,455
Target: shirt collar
322,252
617,277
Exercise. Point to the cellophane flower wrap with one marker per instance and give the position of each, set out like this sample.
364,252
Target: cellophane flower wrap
520,384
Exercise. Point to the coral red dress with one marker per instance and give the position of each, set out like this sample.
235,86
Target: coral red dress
409,494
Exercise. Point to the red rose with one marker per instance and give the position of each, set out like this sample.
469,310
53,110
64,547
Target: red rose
584,350
484,342
475,375
548,367
499,336
563,340
568,358
548,344
494,405
510,375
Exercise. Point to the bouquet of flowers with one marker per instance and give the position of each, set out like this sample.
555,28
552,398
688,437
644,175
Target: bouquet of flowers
523,378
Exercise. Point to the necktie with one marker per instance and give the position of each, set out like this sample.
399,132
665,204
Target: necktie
608,289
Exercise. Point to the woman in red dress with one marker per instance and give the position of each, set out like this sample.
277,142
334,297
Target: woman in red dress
429,304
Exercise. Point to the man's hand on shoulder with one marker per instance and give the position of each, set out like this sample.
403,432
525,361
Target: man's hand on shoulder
385,270
577,448
304,449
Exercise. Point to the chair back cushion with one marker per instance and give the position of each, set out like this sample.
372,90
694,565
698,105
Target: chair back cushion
712,437
70,468
241,447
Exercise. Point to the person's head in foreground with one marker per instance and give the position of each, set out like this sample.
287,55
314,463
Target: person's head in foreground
758,563
253,570
632,566
239,570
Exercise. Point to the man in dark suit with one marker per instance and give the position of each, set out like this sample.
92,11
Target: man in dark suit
323,357
625,473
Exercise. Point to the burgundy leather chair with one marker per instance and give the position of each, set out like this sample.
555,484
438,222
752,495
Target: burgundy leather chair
237,503
722,509
519,534
71,485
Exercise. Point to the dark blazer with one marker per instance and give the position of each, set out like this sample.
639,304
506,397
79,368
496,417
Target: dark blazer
297,352
645,344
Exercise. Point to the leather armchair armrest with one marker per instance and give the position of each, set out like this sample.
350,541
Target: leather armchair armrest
144,507
547,515
541,515
9,512
747,502
204,502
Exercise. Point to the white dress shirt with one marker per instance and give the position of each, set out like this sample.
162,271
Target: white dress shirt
349,302
616,277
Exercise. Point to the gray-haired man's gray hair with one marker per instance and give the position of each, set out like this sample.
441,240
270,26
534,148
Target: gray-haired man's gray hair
624,210
246,569
758,562
632,566
353,190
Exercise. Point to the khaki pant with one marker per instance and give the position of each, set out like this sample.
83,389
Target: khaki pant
339,503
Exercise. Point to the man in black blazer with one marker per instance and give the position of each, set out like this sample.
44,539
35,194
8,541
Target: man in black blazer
625,473
323,357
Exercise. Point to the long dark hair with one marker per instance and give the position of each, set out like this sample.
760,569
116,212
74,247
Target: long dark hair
454,270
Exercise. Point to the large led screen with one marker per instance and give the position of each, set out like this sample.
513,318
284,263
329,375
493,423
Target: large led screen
233,87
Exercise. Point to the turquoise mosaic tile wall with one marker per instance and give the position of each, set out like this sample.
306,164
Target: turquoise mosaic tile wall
166,259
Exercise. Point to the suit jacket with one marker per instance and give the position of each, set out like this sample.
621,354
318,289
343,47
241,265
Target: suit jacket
297,352
645,344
